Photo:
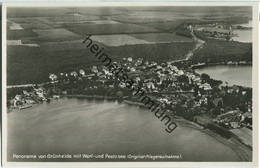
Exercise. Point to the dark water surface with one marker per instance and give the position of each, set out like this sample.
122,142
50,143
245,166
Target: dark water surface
73,126
234,75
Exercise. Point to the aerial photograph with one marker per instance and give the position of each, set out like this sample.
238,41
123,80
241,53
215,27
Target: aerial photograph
129,84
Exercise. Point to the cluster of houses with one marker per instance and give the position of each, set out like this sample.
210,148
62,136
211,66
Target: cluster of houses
178,88
27,98
215,30
235,119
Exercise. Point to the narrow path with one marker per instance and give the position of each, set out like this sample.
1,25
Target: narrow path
199,44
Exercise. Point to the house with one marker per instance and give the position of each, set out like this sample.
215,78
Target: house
26,93
74,74
205,86
40,93
122,85
94,69
18,97
130,59
234,124
203,100
235,88
190,28
230,63
82,72
137,79
158,67
53,77
150,85
180,72
132,69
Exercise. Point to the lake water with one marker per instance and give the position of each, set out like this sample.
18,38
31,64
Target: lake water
234,75
244,35
73,126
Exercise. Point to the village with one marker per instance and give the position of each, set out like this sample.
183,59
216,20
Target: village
196,97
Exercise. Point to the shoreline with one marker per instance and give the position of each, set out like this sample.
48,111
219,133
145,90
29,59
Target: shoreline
244,152
203,64
90,96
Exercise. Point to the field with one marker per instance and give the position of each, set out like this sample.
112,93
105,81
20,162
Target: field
64,45
142,38
19,34
118,40
147,32
56,35
162,37
100,29
165,26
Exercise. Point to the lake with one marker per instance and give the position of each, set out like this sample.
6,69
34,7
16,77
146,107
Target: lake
234,75
244,36
74,126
